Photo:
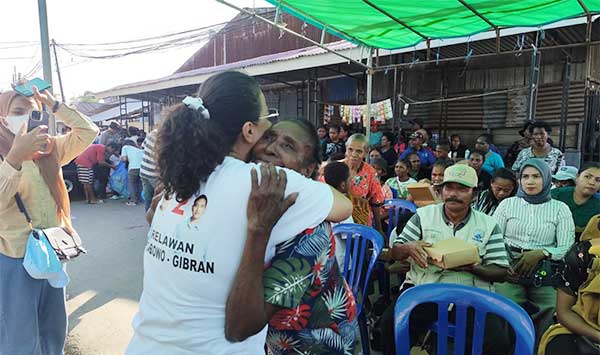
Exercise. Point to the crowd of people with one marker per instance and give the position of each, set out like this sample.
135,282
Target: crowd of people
240,253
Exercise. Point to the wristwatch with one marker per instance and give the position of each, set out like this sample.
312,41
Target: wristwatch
547,254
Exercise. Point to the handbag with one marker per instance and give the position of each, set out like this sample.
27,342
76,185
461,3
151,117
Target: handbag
585,346
547,273
66,243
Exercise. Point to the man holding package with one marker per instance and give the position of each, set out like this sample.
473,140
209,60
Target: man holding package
467,236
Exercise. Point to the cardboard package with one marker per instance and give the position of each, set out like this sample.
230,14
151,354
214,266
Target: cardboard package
422,194
452,252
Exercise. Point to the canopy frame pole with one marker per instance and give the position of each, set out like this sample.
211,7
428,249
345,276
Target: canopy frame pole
408,27
287,30
485,55
369,93
478,14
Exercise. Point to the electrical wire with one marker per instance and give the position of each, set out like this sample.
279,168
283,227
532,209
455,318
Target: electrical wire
458,98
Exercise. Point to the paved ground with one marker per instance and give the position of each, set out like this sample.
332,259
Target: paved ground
106,283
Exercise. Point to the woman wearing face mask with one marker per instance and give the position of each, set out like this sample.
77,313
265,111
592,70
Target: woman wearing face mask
535,228
34,319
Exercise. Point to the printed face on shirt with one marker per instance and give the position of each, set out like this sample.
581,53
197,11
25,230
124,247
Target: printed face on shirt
502,188
199,207
588,182
532,181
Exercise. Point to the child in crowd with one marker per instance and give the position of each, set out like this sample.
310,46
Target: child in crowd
396,187
337,175
380,166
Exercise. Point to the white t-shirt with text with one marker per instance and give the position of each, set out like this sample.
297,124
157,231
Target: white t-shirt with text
190,264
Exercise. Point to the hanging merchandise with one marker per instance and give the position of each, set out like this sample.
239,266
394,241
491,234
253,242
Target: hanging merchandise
328,113
381,111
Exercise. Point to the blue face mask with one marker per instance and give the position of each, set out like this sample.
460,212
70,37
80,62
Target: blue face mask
14,123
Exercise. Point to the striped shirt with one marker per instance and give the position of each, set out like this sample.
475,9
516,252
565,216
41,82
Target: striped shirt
149,169
430,224
486,203
547,225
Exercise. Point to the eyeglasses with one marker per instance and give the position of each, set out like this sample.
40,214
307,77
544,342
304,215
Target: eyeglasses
272,117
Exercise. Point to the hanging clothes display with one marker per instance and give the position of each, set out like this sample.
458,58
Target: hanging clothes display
381,111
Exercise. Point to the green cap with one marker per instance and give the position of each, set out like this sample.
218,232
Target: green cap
462,174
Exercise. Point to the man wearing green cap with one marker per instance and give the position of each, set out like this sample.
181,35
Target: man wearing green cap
453,219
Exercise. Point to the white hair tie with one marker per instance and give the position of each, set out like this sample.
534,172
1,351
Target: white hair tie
196,103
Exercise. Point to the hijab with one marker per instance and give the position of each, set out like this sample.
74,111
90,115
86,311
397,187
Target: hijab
544,170
48,164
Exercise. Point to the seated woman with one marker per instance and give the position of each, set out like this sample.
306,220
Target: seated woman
535,228
577,303
580,199
303,318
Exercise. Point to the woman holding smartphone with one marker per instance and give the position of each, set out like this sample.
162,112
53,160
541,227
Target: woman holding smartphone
33,314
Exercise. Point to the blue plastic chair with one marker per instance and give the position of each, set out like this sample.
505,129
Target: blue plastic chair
463,297
397,207
357,237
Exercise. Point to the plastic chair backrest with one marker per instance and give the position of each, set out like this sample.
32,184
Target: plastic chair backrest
357,237
397,207
463,297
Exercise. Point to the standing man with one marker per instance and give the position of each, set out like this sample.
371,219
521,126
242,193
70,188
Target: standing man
111,135
94,154
335,144
453,219
416,146
148,170
387,151
134,156
493,160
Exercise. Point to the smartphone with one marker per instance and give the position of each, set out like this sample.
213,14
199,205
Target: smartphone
36,119
26,89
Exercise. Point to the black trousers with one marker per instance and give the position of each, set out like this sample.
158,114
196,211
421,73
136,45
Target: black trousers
102,173
496,340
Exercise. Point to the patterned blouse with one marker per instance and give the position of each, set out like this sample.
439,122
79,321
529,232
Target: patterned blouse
554,159
320,310
394,188
366,185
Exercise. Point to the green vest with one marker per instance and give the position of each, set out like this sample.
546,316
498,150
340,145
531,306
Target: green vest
477,229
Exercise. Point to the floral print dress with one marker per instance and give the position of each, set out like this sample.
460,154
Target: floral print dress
320,310
366,186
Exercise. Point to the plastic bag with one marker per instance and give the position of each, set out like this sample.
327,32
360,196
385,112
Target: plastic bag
41,261
119,180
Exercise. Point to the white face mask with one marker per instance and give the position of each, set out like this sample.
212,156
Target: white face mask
14,123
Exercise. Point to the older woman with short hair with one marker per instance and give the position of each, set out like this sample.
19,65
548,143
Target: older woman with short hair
366,189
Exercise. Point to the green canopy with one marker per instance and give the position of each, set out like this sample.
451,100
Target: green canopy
392,24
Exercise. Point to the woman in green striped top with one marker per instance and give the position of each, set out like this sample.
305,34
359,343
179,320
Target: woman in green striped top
535,228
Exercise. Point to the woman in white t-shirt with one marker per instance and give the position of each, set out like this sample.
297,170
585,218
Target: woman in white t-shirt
203,148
